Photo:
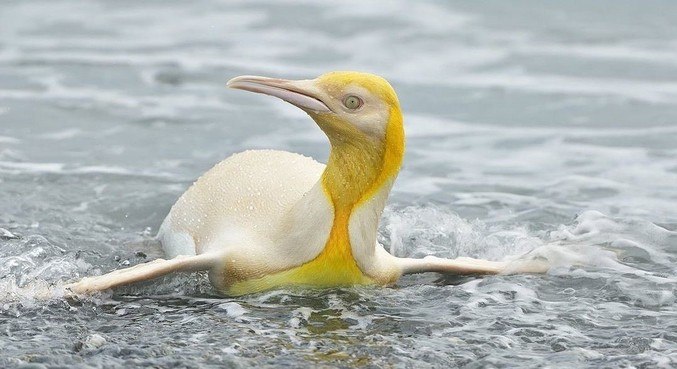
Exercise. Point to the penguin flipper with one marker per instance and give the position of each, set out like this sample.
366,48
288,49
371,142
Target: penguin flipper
143,272
465,266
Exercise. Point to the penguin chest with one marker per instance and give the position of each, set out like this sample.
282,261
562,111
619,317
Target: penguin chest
334,266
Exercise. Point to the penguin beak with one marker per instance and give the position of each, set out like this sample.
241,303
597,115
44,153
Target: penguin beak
302,93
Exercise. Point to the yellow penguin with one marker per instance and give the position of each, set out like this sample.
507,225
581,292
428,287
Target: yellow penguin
267,219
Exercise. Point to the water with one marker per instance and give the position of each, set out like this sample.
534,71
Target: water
531,126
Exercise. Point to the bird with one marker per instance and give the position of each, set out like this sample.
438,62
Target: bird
269,219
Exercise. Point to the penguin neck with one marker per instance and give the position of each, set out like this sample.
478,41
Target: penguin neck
352,173
356,181
360,167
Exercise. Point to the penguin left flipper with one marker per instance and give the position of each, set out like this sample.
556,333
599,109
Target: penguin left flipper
465,265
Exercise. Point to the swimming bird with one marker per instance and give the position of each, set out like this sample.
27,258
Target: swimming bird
269,219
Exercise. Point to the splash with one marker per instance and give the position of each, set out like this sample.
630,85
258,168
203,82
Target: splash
592,243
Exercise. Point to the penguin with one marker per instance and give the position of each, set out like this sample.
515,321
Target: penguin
266,219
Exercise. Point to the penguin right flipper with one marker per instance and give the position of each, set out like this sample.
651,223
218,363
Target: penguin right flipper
144,272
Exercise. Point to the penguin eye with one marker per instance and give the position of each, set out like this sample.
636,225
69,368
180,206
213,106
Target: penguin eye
352,102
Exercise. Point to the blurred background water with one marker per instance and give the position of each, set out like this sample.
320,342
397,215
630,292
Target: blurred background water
544,126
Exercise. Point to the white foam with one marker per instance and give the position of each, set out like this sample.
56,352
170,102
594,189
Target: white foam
584,244
233,309
62,134
9,140
17,167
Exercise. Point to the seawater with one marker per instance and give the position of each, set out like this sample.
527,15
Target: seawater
540,129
